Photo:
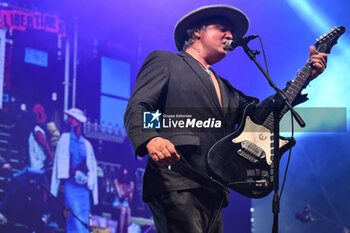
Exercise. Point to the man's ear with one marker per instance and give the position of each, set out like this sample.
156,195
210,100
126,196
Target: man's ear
197,34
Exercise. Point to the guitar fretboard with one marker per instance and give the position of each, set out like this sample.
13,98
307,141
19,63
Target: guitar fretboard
323,45
292,91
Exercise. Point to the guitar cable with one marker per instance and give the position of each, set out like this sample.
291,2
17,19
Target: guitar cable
217,214
288,161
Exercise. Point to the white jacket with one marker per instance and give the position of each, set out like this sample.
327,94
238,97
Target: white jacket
61,166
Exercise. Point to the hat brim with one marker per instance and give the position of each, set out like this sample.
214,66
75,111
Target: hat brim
80,118
238,21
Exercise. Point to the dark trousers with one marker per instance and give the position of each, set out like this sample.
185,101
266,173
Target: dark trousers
187,211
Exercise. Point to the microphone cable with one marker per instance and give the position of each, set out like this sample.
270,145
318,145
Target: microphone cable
288,161
264,54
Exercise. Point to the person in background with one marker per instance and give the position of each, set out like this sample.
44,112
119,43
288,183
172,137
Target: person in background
124,189
75,165
38,147
39,157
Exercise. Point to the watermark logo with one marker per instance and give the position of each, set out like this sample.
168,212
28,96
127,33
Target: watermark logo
204,119
152,120
178,121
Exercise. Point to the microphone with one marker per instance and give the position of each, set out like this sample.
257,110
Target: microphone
232,44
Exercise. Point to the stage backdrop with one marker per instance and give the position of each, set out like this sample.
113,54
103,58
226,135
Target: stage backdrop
318,173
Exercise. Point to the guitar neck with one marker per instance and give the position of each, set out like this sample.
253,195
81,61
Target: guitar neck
323,45
292,91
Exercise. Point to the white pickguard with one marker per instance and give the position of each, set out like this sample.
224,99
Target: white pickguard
260,136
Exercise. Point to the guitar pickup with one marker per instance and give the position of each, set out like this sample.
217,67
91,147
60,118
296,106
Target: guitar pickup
253,149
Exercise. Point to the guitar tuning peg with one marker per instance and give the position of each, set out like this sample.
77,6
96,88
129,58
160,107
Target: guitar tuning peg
332,29
335,27
324,34
320,37
317,39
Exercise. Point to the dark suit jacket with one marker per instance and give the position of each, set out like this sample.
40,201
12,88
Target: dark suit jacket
170,81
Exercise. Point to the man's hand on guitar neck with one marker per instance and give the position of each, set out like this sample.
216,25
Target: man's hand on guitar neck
318,62
162,151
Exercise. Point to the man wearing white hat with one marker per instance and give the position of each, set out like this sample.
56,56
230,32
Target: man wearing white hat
186,80
75,164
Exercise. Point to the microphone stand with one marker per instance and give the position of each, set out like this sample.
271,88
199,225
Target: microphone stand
279,98
66,210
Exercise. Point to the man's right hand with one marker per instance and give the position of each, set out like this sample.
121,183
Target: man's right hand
162,151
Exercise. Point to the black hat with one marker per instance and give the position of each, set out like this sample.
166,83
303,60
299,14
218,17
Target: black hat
238,21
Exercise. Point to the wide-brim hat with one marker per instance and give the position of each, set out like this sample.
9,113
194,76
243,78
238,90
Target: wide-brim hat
238,21
77,114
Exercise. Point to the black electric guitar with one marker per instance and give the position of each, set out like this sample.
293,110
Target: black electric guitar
242,160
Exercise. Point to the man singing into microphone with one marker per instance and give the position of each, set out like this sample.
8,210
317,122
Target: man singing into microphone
186,80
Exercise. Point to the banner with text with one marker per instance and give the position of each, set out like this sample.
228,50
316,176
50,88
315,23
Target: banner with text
21,20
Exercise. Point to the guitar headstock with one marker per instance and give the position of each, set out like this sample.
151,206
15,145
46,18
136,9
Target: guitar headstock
325,43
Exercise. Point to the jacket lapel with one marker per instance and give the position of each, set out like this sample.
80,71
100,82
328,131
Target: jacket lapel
203,77
224,94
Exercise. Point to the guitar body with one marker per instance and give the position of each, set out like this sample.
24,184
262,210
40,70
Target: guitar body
242,160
